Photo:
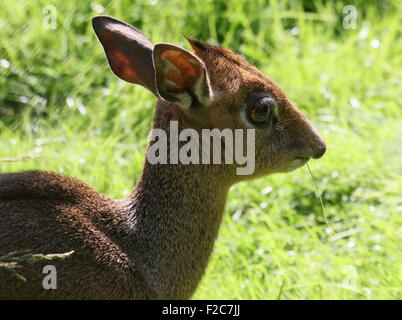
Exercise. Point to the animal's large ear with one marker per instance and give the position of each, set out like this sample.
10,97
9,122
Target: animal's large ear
128,51
181,77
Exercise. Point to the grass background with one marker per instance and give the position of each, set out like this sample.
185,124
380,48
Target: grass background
58,99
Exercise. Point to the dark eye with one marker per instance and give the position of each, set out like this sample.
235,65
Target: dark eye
261,110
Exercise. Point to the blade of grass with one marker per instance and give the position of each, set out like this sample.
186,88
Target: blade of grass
320,197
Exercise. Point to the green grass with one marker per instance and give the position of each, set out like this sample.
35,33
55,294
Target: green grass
59,99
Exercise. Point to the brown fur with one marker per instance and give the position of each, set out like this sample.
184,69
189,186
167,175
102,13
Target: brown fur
156,243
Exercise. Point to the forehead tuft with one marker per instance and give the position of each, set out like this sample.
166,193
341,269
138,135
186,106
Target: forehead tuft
205,51
227,67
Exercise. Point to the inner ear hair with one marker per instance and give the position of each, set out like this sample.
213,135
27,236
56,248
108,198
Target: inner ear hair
181,76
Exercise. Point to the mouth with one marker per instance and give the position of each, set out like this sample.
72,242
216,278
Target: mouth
296,163
305,159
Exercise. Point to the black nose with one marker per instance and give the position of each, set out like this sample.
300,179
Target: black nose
319,150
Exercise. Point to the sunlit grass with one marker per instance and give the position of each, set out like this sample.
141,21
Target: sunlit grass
59,100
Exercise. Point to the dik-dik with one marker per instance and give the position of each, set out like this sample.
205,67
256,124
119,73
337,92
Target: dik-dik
156,243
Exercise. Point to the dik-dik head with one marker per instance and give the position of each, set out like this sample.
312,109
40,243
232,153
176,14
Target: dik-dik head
213,87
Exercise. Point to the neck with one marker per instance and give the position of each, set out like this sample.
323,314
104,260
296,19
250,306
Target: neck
175,213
